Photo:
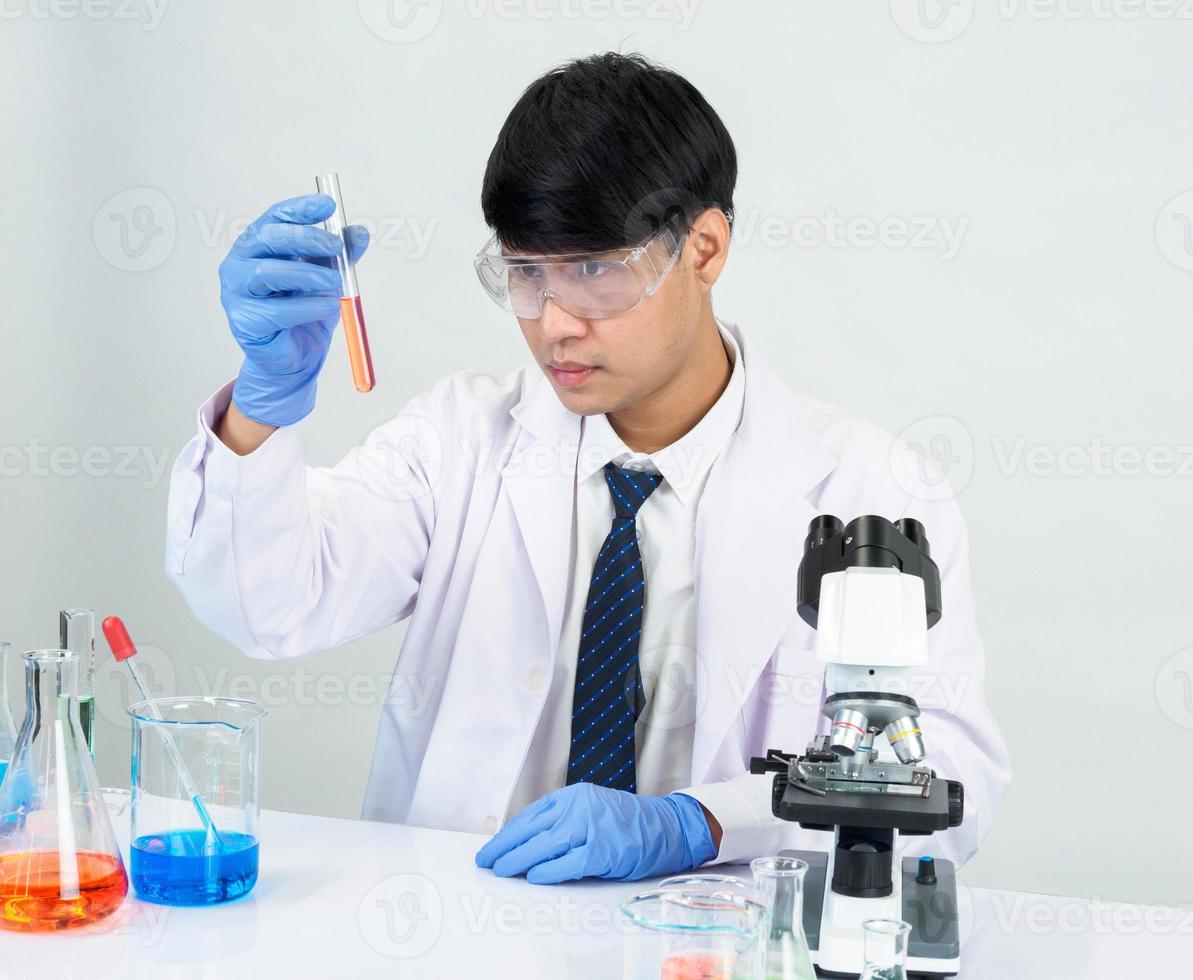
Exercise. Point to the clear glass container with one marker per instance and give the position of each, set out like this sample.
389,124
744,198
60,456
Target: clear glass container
693,935
60,866
76,633
177,857
8,731
707,883
779,885
885,949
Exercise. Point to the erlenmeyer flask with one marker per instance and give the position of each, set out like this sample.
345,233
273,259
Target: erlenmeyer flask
779,885
8,732
885,949
59,863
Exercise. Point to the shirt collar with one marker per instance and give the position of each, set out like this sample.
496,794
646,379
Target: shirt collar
685,463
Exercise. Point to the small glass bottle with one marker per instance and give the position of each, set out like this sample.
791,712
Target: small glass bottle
8,731
60,866
76,633
779,885
885,949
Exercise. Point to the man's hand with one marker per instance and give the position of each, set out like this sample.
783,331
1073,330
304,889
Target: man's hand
282,300
588,831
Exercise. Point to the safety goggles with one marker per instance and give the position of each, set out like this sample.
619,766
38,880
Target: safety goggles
591,285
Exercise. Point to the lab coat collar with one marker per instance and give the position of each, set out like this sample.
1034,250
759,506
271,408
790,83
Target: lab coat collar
791,434
684,463
752,516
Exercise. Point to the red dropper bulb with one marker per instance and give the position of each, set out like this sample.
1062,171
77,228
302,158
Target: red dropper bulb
118,639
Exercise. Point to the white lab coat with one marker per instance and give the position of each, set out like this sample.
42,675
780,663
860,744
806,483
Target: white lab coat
458,513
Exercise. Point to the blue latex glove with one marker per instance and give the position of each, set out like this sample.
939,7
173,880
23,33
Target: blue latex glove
589,831
282,298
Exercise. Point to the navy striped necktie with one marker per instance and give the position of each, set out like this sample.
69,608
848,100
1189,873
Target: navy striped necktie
608,694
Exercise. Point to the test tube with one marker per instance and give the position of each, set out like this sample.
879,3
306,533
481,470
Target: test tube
352,318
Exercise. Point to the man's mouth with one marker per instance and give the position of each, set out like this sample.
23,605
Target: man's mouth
569,373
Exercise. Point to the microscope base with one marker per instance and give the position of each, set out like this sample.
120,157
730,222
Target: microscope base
934,945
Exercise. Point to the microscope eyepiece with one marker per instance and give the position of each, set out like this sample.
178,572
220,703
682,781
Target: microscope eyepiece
914,531
821,528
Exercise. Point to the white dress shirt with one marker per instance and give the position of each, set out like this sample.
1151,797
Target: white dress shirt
666,541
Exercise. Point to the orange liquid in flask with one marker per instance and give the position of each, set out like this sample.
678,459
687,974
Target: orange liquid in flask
359,357
35,896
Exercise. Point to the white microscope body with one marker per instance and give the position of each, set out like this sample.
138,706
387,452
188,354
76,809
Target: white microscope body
872,592
872,634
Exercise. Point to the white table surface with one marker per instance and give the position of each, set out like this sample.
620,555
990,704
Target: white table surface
346,898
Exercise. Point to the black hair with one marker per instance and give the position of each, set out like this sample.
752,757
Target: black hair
599,152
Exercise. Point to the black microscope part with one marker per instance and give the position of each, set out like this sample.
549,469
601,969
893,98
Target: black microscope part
865,542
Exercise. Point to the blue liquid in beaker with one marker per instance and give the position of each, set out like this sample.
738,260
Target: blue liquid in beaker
172,868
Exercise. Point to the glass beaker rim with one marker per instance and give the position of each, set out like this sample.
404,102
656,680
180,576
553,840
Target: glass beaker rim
695,881
887,927
137,711
791,867
631,908
49,655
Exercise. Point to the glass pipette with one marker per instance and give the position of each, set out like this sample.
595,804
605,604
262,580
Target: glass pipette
124,650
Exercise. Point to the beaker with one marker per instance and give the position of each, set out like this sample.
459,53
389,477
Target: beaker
8,731
174,859
59,863
885,949
779,885
693,935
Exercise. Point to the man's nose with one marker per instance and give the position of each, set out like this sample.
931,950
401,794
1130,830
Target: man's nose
558,323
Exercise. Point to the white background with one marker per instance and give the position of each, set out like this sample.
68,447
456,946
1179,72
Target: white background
1053,140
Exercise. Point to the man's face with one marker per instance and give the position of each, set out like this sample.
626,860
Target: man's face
633,354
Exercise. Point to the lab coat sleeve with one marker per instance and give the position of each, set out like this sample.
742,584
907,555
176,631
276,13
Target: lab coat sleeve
741,806
284,559
962,740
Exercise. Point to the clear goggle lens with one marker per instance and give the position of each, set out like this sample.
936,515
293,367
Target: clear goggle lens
586,285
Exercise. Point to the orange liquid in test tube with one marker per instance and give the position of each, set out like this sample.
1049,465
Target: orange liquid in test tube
352,320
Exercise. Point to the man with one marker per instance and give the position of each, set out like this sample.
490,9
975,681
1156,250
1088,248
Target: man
598,553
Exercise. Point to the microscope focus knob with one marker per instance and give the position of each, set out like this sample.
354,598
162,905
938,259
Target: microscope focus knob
956,802
777,789
925,872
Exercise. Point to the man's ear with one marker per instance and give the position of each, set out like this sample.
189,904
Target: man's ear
709,244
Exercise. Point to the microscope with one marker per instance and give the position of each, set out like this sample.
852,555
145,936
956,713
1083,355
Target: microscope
871,591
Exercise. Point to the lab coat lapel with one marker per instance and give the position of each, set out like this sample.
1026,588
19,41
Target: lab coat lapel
750,529
540,480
